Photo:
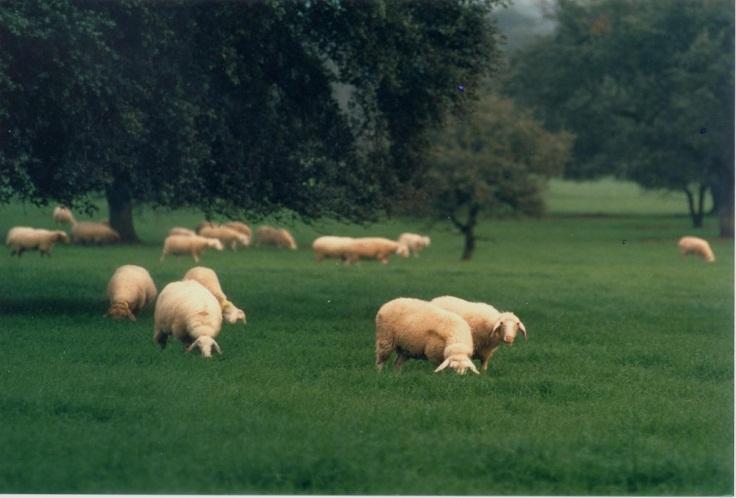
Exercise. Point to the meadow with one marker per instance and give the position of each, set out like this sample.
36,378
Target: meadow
625,385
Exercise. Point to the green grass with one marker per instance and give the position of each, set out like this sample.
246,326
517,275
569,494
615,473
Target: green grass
624,387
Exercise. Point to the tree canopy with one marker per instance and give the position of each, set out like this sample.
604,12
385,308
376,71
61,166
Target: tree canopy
647,88
494,162
229,107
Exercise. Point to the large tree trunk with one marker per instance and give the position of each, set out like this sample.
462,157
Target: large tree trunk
120,206
726,208
469,248
468,230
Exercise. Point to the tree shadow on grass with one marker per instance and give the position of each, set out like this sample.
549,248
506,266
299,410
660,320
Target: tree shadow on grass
51,305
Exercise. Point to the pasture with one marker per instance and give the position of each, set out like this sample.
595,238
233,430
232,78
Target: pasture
625,385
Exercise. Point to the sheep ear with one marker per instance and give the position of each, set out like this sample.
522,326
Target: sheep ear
523,330
192,346
495,327
131,316
473,368
217,347
442,366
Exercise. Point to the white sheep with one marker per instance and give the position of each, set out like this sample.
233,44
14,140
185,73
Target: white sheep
181,231
279,237
62,215
330,246
490,327
21,239
208,278
203,224
129,290
414,242
189,244
189,312
229,237
240,227
696,245
374,248
418,329
89,232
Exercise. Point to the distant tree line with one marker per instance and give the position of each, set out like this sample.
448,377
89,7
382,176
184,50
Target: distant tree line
648,90
229,106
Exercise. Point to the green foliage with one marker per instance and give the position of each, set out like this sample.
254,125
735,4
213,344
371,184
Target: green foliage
647,87
625,386
228,106
493,161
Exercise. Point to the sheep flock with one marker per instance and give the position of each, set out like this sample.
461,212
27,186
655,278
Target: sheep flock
447,331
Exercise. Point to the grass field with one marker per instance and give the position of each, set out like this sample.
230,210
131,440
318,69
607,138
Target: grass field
624,387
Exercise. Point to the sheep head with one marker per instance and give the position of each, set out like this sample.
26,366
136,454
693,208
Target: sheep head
205,344
403,250
231,314
120,311
215,244
460,363
60,236
509,324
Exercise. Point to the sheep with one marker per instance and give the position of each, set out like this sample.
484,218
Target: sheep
696,245
203,224
129,290
490,327
229,237
62,215
414,242
181,231
240,227
208,278
189,244
418,329
95,233
278,237
331,247
21,239
189,312
374,248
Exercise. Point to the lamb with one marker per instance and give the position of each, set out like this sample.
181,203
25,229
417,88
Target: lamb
229,237
181,231
189,312
129,290
418,329
279,237
414,242
696,245
62,215
189,244
489,326
375,248
208,278
331,247
89,232
21,239
240,227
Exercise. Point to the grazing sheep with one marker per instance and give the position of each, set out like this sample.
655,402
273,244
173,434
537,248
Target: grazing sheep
203,224
189,312
490,327
189,244
181,231
696,245
21,239
279,237
88,232
375,248
418,329
208,278
331,247
129,290
229,237
414,242
62,215
240,227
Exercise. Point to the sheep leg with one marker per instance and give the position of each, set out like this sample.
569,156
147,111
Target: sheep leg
382,355
400,359
194,255
160,338
486,356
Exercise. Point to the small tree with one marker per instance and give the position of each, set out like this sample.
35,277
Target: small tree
494,161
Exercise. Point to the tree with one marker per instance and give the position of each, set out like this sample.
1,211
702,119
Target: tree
494,161
647,88
229,107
